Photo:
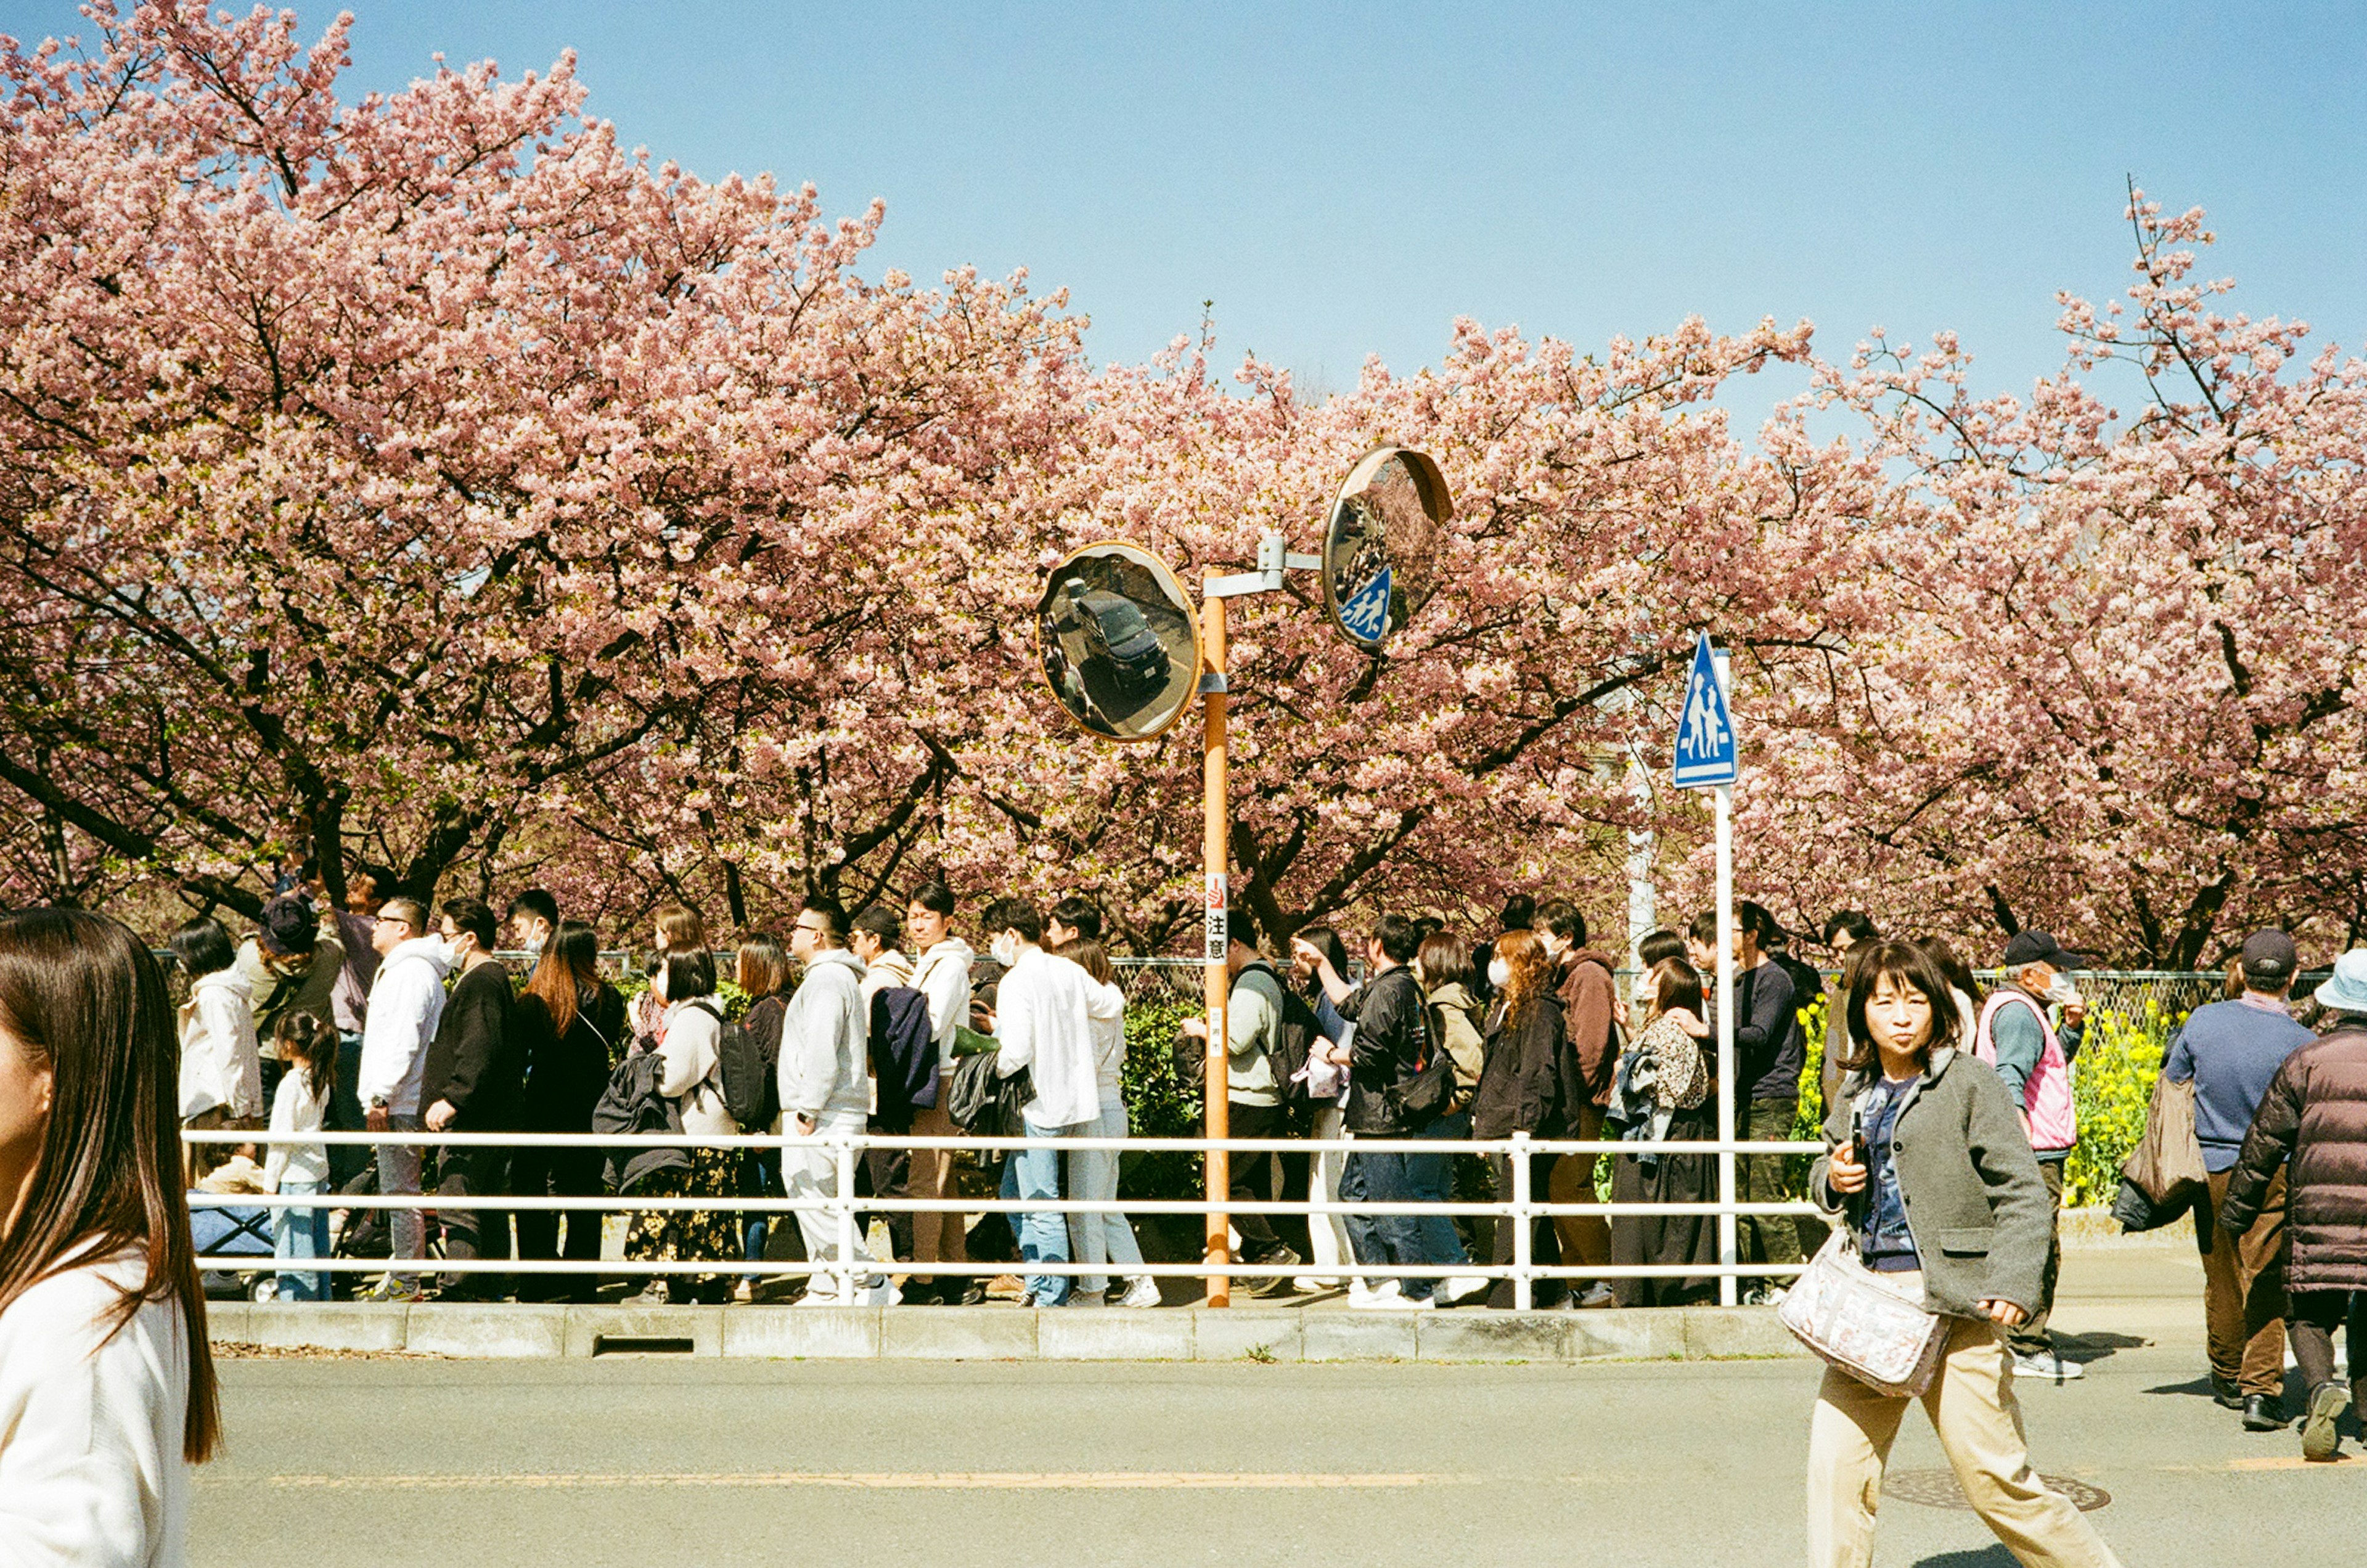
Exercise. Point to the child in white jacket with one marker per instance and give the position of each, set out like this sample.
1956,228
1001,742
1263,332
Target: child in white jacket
308,1049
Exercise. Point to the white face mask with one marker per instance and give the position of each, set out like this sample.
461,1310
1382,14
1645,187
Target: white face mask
535,943
2062,989
1005,950
1499,974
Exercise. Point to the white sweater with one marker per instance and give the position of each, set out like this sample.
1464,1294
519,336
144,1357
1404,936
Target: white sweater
943,975
219,1062
406,1003
296,1109
91,1472
691,1066
1044,1014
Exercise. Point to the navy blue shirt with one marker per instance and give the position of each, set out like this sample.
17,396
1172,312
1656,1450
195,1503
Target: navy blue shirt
2230,1049
1882,1238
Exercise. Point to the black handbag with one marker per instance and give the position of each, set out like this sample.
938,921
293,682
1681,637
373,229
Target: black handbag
985,1104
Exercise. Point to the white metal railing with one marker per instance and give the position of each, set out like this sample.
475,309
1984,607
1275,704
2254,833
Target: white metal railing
845,1207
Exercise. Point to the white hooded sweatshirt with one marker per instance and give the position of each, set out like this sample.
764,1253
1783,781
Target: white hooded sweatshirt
406,1003
219,1062
825,1055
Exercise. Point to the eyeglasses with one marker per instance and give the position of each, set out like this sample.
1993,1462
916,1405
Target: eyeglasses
811,930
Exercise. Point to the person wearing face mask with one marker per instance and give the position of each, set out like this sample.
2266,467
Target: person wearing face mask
533,919
406,1003
1590,1007
2031,1052
473,1082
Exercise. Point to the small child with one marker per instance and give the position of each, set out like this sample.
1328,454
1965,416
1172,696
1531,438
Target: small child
308,1051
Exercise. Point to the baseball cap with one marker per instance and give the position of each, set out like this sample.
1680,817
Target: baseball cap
2037,947
2270,955
288,927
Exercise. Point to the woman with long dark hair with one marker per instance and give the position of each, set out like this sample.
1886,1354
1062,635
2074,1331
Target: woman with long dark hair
762,972
573,1021
1530,1083
1929,1169
107,1384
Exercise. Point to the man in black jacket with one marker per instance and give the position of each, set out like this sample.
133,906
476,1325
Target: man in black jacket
474,1081
1386,1051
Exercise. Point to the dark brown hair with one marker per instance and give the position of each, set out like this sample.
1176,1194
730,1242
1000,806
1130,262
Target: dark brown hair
567,971
1445,960
680,926
763,969
82,994
304,1041
1088,955
1676,984
1910,966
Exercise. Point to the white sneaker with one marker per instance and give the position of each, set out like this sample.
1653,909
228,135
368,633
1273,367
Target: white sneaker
1087,1299
2048,1367
1455,1289
1142,1292
1597,1295
1408,1304
883,1294
1313,1284
822,1295
1363,1295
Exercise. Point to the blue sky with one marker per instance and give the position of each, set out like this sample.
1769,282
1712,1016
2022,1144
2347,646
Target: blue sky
1346,180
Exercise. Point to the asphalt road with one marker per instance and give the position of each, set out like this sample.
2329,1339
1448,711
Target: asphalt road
663,1462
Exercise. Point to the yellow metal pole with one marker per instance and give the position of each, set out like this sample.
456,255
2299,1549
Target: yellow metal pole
1212,636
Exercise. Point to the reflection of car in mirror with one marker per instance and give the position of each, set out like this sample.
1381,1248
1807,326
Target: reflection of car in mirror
1116,630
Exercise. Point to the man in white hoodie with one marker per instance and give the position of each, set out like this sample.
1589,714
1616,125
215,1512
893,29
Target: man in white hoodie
1044,1010
406,1003
943,975
826,1090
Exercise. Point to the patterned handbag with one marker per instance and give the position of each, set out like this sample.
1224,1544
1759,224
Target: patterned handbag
1863,1322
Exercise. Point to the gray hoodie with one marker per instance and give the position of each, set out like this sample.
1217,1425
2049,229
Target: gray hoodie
825,1060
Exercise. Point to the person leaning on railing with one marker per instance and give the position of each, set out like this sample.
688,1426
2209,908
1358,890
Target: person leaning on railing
1927,1159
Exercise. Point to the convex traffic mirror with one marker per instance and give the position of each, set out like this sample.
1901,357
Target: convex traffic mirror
1381,543
1121,645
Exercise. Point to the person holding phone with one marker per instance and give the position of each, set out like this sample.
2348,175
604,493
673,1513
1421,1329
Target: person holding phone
1927,1161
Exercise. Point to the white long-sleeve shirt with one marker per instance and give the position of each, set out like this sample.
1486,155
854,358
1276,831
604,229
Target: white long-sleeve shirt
1044,1014
296,1109
691,1061
91,1425
824,1056
406,1003
943,976
219,1062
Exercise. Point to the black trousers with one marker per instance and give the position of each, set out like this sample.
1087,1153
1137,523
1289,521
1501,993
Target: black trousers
1545,1238
557,1173
2312,1318
888,1173
473,1231
1253,1177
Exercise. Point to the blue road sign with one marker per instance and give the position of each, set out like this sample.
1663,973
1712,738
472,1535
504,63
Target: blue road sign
1705,750
1366,614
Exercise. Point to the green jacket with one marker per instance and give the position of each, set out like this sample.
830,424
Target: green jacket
1976,1203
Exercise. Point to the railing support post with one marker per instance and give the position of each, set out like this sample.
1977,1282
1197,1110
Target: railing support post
843,1153
1524,1292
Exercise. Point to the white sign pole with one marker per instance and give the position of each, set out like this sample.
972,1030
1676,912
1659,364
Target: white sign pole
1728,1287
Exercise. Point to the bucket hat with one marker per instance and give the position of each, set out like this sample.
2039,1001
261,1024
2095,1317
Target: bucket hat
2346,990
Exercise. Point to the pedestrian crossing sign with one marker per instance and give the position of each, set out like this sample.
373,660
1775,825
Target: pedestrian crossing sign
1706,749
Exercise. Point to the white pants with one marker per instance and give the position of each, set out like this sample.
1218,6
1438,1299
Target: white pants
1328,1234
811,1171
1093,1174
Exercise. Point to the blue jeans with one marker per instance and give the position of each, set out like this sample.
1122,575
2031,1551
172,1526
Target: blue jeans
1433,1183
298,1234
1043,1238
1385,1238
1093,1176
760,1176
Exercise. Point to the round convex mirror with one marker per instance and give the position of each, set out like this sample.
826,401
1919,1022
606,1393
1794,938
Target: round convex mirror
1381,543
1120,643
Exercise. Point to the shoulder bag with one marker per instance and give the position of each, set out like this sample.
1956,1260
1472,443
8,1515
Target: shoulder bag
1863,1322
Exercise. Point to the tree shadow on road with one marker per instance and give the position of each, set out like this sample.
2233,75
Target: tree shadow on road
1989,1557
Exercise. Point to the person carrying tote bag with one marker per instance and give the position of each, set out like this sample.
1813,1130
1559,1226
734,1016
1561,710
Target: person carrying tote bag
1927,1159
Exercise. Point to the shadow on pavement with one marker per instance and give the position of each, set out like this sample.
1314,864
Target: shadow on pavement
1989,1557
2097,1347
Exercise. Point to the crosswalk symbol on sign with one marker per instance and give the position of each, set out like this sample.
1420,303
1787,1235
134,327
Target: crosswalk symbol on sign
1706,749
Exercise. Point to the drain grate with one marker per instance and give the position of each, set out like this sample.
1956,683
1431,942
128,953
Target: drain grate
639,1345
1938,1489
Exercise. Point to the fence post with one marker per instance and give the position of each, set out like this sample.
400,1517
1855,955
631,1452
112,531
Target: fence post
844,1152
1523,1292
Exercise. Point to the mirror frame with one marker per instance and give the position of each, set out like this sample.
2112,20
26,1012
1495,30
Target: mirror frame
1168,578
1437,502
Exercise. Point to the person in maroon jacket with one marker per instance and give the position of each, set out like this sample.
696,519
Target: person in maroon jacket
1590,1007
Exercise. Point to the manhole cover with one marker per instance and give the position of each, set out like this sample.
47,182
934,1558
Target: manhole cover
1938,1489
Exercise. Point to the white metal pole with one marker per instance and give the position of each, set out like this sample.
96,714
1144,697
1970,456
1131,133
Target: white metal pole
843,1154
1523,1287
1726,1292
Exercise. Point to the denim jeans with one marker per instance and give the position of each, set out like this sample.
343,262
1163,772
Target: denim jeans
1433,1183
1093,1176
1385,1238
298,1234
760,1176
1043,1238
398,1177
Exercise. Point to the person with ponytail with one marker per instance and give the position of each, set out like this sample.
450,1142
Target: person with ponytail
107,1384
306,1049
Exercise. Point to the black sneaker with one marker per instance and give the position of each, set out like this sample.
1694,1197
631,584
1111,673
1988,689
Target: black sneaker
2227,1395
2264,1412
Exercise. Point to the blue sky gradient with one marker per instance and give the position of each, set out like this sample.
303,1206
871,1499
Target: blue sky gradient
1345,180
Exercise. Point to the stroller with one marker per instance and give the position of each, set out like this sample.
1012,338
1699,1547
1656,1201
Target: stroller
362,1233
240,1231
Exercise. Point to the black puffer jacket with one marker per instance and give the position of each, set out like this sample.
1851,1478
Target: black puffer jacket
1532,1078
2316,1115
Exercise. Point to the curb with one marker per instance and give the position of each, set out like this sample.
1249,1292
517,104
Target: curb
1005,1334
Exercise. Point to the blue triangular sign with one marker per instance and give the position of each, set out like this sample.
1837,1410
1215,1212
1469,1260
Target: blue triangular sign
1705,750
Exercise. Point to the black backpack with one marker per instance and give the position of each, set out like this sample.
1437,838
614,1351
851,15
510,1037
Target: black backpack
752,1087
904,1043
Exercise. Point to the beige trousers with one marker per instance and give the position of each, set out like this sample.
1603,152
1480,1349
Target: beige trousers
1972,1408
936,1237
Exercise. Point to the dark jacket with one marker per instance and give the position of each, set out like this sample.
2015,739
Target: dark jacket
477,1061
565,1074
1588,1004
1532,1082
2316,1115
1392,1033
1767,1050
1976,1204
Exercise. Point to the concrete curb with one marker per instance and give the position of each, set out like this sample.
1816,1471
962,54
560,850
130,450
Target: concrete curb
1005,1334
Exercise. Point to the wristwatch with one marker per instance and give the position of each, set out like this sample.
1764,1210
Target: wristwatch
378,1102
